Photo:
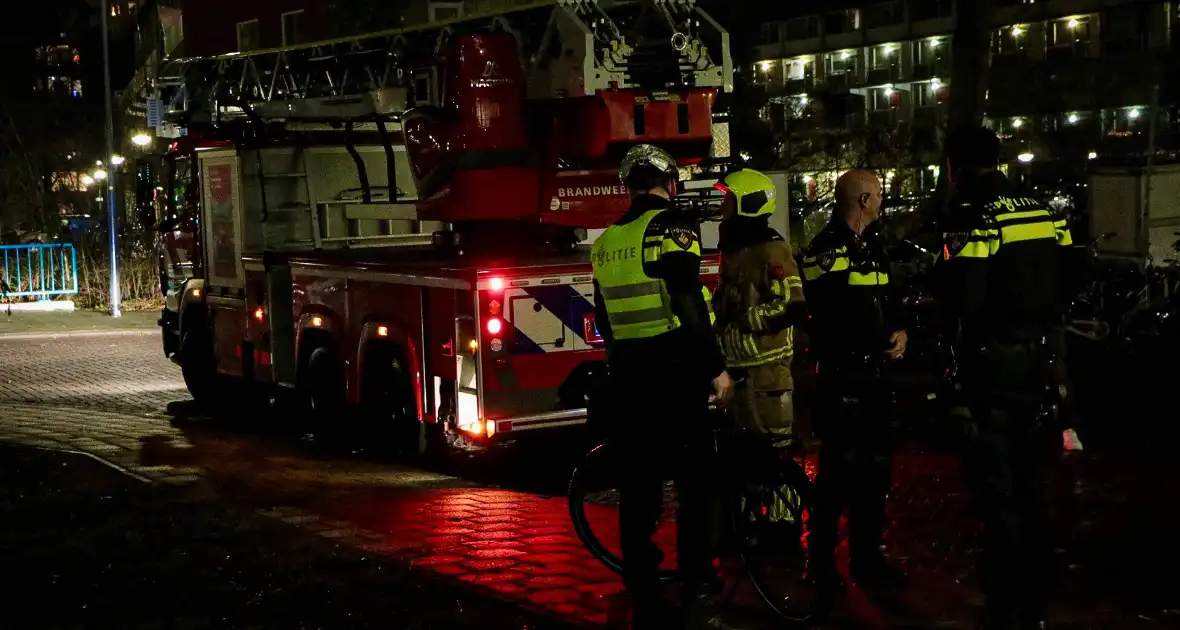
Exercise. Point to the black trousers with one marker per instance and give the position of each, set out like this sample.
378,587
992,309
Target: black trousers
854,423
1006,462
665,433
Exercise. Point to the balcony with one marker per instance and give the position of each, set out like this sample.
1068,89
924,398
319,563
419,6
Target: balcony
930,69
842,82
881,76
797,86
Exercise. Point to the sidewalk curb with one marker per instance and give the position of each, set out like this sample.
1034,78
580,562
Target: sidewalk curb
80,333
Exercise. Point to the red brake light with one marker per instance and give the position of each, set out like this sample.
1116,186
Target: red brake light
496,284
722,187
495,325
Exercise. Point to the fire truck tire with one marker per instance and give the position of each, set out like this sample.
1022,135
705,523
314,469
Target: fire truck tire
322,385
387,398
197,365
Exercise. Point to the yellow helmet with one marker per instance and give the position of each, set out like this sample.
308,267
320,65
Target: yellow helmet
753,192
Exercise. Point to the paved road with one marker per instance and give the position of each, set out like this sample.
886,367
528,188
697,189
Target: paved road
115,396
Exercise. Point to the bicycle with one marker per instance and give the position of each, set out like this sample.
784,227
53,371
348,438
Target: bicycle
767,480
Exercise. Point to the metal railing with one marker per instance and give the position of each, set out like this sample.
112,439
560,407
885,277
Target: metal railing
39,271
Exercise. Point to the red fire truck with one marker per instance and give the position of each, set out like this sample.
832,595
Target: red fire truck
395,227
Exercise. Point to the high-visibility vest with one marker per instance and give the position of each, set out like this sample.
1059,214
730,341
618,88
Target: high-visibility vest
637,305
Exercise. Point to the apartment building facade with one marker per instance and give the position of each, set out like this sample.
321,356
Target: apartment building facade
1069,81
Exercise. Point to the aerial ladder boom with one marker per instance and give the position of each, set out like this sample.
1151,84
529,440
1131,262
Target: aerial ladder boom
513,116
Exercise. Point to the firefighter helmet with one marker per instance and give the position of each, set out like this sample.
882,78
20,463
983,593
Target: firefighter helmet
647,155
753,192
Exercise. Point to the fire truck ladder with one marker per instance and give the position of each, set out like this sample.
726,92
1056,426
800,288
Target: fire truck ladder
573,47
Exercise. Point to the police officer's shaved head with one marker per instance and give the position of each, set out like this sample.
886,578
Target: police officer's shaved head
855,190
972,148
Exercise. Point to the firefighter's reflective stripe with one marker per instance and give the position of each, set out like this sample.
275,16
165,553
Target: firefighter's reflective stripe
741,347
755,318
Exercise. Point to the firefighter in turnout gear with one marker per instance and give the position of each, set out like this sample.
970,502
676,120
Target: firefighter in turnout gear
758,303
654,315
857,330
1001,293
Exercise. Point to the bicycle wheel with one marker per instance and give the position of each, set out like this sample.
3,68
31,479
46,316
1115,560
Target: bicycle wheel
767,520
593,507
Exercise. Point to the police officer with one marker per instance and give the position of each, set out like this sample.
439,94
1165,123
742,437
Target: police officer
758,302
1000,287
856,330
654,315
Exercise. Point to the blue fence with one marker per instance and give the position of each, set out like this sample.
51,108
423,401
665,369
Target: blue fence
40,271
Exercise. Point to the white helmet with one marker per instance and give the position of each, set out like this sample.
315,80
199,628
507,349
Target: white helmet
647,155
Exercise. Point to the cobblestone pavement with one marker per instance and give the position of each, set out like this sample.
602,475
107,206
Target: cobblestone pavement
124,371
109,396
87,547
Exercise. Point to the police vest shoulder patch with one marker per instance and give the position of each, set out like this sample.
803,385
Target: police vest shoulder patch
682,236
955,241
777,271
826,260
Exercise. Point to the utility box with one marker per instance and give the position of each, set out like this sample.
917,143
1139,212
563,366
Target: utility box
1135,213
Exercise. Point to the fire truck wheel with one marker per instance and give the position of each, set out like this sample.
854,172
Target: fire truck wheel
387,396
321,380
197,366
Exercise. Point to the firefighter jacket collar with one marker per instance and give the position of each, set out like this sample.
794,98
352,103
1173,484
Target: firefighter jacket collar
741,232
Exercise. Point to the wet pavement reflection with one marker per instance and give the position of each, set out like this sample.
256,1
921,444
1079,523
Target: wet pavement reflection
499,523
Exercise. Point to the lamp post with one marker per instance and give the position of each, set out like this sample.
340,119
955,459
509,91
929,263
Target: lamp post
115,298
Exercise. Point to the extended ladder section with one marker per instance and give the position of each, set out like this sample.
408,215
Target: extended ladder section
519,116
570,48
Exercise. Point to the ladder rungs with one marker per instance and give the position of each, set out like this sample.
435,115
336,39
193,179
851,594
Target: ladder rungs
381,211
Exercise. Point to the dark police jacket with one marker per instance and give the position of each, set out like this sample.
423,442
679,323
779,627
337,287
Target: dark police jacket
999,267
853,306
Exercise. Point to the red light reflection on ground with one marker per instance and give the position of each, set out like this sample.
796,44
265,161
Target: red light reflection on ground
516,545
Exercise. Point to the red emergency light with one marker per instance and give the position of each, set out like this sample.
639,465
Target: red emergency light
496,284
495,325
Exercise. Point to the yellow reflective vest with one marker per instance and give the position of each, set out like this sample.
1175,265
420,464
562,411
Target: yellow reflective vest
637,304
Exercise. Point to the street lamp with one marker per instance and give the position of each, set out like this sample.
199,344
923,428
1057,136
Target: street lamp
112,226
87,181
1025,157
100,174
141,139
117,160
